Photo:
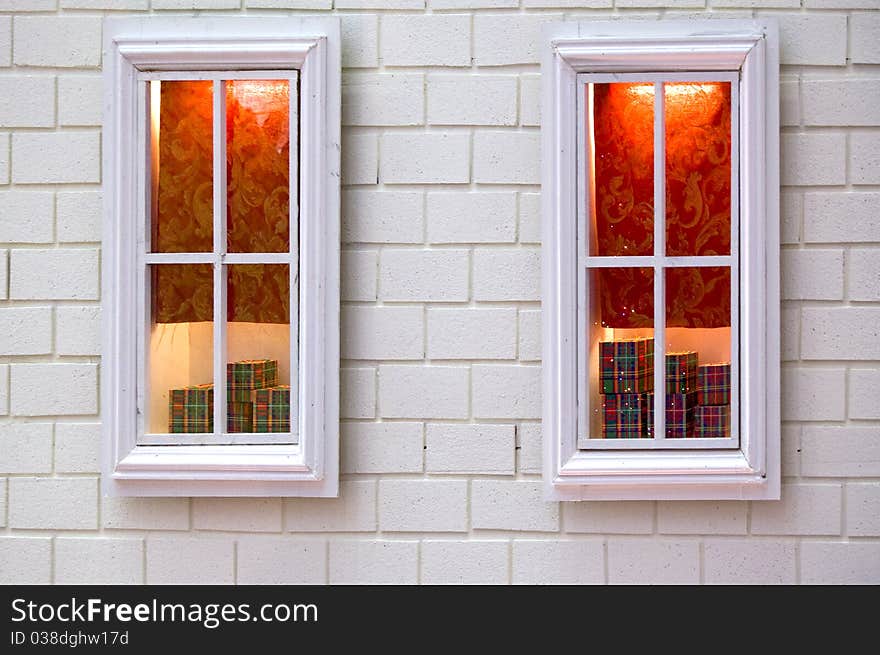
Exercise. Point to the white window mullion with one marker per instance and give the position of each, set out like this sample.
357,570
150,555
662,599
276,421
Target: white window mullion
659,258
293,260
219,121
736,224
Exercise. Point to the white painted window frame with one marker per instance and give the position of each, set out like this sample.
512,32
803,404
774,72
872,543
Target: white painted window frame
752,470
305,46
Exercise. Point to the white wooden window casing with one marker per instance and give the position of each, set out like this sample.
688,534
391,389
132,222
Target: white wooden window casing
747,465
307,50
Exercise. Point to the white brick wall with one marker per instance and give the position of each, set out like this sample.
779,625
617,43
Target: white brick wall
441,319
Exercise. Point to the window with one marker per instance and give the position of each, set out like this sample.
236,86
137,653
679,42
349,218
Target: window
660,195
221,256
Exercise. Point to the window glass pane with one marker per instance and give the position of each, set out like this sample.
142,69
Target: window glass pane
258,348
258,165
620,347
620,180
698,184
181,146
180,361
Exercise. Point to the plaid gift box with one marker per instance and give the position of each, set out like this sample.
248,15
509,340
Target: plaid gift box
680,412
712,421
713,384
272,409
627,366
191,409
681,372
240,417
625,416
249,374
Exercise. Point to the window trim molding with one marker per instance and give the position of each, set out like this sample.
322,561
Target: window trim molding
752,471
312,46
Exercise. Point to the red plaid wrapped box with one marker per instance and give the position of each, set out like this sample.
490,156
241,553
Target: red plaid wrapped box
626,366
713,384
712,421
680,412
240,417
191,409
625,416
681,372
272,409
249,374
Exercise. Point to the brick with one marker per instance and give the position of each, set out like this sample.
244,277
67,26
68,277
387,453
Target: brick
791,450
426,40
99,561
503,39
863,279
27,330
530,218
3,505
471,4
288,4
851,333
118,5
841,102
813,394
25,448
425,158
812,274
360,275
456,217
424,275
464,562
28,217
528,437
360,40
78,216
507,157
423,391
78,330
353,511
381,447
196,4
864,398
119,513
374,562
28,101
237,514
512,505
826,562
56,41
190,560
79,100
799,34
54,389
756,3
483,449
472,99
4,158
754,562
4,389
837,451
507,274
56,157
380,4
382,333
792,215
77,447
25,560
558,562
357,388
506,391
789,102
5,41
864,38
54,274
383,216
423,505
620,517
811,159
266,561
836,217
864,158
656,561
53,503
471,333
530,99
530,335
385,99
840,4
863,509
805,509
702,517
360,158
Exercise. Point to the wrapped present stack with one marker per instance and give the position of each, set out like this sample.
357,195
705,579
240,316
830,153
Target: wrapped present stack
272,407
713,395
626,375
244,381
191,409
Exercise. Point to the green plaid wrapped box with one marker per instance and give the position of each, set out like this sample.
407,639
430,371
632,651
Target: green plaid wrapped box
625,416
713,384
249,374
712,421
626,366
240,417
681,372
272,409
191,409
680,413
